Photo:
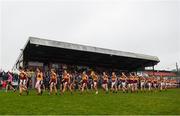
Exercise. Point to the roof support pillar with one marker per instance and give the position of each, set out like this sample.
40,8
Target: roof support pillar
153,70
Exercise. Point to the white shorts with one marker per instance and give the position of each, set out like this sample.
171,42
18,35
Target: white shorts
23,82
135,85
149,84
113,84
52,84
154,84
123,84
130,85
142,84
162,84
38,83
95,83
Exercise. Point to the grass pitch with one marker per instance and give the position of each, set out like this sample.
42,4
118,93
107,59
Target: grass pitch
166,102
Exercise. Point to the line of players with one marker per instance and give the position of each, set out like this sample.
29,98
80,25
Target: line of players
130,83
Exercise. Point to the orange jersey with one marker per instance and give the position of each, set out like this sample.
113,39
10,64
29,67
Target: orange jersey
22,75
105,78
142,79
136,79
84,77
155,80
131,79
66,77
122,78
113,78
95,77
39,76
53,77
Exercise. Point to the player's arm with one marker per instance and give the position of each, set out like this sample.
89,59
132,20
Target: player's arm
130,75
62,77
121,77
56,80
43,75
125,76
116,78
81,78
24,73
50,79
107,78
69,76
55,75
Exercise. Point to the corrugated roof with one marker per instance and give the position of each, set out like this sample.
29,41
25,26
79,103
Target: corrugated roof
58,44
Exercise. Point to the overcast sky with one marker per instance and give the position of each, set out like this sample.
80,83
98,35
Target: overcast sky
149,27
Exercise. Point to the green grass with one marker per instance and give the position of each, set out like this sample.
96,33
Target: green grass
166,102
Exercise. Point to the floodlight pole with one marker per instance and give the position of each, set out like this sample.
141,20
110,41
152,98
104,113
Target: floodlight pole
153,70
177,67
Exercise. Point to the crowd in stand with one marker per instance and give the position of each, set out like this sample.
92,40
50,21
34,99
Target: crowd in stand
72,80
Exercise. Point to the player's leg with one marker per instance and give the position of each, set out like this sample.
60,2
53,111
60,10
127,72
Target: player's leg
11,87
55,89
51,86
7,86
64,87
82,88
95,87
